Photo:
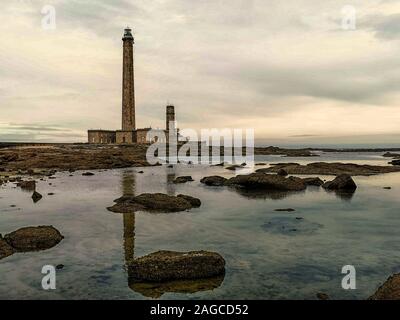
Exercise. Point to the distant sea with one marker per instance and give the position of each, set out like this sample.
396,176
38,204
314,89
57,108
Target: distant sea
333,146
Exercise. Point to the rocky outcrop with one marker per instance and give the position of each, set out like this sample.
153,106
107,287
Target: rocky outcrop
153,202
282,172
391,155
395,162
313,182
268,182
5,249
71,157
330,169
183,179
341,183
164,266
33,238
390,290
215,181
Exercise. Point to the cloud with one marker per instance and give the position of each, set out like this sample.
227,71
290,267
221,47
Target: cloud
386,27
286,69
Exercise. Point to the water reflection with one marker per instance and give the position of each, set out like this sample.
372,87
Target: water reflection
264,194
150,289
156,290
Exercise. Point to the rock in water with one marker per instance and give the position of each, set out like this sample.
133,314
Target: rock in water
5,249
193,201
267,181
342,183
234,167
154,202
395,162
183,179
164,266
34,238
88,174
313,182
27,185
36,196
215,181
390,290
322,296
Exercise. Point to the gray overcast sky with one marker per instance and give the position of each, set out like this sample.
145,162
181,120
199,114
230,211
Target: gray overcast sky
285,68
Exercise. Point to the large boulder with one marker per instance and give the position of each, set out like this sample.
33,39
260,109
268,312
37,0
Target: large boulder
344,182
267,181
5,249
164,266
215,181
34,238
183,179
390,290
154,202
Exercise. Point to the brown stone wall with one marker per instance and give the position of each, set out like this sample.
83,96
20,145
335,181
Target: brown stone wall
125,137
101,136
128,88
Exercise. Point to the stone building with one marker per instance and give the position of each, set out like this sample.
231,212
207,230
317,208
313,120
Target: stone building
129,133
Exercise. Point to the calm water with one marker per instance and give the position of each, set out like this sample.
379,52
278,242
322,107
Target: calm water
265,260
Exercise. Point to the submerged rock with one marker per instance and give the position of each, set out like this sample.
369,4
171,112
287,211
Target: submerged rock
341,183
215,181
155,202
183,179
266,181
34,238
5,249
88,174
164,266
36,196
291,226
390,290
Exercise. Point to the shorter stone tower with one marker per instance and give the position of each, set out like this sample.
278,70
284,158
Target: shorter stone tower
170,118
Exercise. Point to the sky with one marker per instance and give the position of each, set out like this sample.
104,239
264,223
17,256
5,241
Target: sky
289,69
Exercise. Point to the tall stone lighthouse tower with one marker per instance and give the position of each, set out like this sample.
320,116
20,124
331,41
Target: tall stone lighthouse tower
127,134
